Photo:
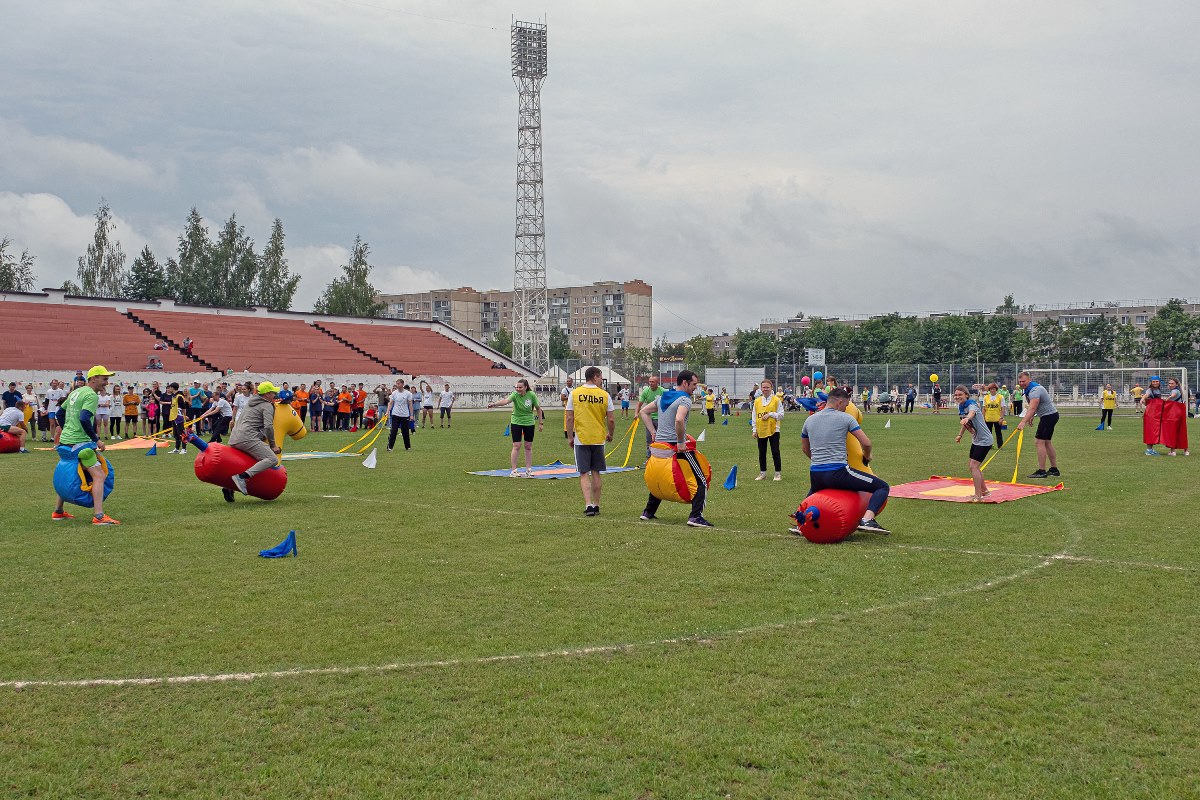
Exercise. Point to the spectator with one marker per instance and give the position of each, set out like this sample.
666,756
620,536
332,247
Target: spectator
12,422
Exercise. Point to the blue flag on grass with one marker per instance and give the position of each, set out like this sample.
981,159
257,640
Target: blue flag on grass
153,451
1100,427
731,481
725,421
506,431
282,549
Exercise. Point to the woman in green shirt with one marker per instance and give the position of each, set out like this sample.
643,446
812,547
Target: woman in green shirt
526,412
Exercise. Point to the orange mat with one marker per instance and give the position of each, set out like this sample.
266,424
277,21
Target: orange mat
961,490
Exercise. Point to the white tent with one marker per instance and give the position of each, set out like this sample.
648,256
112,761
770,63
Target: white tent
611,378
554,375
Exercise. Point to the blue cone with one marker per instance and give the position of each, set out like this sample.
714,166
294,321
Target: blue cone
282,549
731,481
506,431
153,451
1100,427
725,421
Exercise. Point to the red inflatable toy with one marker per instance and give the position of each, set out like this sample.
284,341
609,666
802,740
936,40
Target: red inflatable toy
218,463
831,515
1165,423
9,443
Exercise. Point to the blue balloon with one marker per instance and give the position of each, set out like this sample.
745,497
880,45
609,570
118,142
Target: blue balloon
68,482
818,375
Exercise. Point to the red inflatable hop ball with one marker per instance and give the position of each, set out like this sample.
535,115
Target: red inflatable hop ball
9,443
830,515
218,463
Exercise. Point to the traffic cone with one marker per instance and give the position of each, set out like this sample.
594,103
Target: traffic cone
282,549
731,481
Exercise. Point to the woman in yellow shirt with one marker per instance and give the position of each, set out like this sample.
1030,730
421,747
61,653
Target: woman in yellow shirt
710,403
993,412
1108,404
765,417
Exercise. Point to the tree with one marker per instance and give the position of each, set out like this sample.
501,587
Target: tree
639,361
698,352
1170,333
102,269
664,349
754,347
502,341
147,280
233,267
906,345
275,286
352,295
189,279
71,287
560,346
1009,308
1022,344
16,272
1046,335
1127,346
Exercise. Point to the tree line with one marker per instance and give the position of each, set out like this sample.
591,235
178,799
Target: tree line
1171,335
226,271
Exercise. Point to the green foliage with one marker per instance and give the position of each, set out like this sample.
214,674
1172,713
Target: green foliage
188,278
147,280
16,272
754,346
560,346
102,268
1171,332
1127,346
503,341
71,287
352,294
275,286
698,352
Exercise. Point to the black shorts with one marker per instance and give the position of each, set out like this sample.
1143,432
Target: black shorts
589,458
521,432
131,419
1046,425
443,412
43,423
979,452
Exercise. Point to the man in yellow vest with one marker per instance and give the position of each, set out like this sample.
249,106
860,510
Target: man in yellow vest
590,423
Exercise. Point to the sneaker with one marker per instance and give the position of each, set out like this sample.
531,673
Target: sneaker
23,450
104,520
761,475
699,522
1150,451
227,494
597,510
528,472
1170,453
795,531
778,476
57,515
1041,473
1053,472
647,516
871,526
240,483
590,511
514,473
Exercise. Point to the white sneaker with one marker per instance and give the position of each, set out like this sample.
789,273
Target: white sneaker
516,473
778,476
528,472
761,475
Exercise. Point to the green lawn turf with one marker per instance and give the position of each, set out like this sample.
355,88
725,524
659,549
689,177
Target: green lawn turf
1041,648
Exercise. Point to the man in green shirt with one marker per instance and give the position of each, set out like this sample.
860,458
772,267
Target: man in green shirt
649,396
79,427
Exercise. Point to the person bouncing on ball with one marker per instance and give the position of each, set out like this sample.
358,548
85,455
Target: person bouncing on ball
823,439
256,423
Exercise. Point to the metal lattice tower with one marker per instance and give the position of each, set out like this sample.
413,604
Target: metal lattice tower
531,326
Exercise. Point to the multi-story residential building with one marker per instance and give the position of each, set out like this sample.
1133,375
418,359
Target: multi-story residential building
597,318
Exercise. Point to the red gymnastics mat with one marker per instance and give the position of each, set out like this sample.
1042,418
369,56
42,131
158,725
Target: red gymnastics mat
961,490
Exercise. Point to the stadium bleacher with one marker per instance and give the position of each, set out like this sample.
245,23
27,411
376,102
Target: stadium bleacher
263,344
415,351
71,337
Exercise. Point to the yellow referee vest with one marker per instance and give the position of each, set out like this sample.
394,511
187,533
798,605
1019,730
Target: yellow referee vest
764,425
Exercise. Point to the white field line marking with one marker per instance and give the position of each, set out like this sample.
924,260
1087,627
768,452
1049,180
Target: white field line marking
626,647
410,666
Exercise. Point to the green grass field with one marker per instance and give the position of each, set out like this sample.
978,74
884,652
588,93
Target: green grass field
447,635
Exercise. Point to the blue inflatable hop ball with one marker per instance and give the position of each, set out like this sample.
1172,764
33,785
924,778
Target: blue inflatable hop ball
72,482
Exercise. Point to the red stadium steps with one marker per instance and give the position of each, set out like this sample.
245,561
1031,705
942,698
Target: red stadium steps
412,350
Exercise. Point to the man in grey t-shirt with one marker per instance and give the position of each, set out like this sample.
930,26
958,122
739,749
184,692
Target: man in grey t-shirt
1040,405
672,409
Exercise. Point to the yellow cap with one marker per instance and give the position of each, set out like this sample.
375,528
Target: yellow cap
98,370
267,387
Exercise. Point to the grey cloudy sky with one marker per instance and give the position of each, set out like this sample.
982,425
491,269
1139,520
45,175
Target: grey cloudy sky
750,159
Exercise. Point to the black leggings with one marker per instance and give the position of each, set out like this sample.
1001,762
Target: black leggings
220,427
852,480
997,433
401,424
1106,416
762,452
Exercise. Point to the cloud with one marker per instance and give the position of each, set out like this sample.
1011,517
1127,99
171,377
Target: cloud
318,265
32,158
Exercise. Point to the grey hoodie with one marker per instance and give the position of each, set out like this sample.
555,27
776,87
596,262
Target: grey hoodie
254,423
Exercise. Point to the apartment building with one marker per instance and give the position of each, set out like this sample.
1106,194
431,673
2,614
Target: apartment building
596,318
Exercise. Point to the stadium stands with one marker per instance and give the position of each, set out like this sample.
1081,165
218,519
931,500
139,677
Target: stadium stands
260,343
411,350
71,337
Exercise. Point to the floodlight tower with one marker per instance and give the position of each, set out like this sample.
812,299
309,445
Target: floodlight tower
531,331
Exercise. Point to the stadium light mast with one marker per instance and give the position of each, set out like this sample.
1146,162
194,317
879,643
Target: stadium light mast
531,322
